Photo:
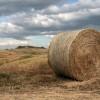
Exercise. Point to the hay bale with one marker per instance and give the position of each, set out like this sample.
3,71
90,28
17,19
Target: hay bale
76,54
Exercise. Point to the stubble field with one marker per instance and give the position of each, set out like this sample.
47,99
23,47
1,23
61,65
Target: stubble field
26,75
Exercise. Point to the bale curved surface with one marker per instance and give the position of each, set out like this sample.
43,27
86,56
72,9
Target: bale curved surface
76,54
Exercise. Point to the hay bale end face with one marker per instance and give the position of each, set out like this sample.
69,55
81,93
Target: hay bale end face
75,55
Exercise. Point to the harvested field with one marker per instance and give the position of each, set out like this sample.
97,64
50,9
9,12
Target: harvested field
26,75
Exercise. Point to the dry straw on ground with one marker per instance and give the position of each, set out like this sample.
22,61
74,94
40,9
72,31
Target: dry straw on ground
76,54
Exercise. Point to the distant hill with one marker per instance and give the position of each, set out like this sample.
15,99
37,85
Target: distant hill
19,47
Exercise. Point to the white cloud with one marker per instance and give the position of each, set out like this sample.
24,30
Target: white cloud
53,8
7,27
50,36
40,20
46,17
12,42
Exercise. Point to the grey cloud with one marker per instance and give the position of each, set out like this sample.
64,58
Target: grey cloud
38,22
30,29
8,7
66,8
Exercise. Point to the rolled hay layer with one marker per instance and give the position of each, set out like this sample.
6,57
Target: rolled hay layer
76,54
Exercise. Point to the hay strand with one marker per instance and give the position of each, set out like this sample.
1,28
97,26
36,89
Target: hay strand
75,54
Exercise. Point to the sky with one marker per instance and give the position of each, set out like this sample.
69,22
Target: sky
36,22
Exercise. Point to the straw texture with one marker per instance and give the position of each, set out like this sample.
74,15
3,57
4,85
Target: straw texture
75,54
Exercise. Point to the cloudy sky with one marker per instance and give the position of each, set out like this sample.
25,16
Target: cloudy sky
35,22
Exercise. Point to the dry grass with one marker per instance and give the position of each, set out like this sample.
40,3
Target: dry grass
26,71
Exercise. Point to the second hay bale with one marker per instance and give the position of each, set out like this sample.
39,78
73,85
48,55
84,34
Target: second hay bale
76,54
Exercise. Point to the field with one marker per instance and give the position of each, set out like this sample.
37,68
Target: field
26,75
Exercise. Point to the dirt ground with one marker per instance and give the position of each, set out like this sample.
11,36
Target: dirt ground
51,94
26,75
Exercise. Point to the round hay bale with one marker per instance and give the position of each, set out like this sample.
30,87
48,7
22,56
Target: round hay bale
76,54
